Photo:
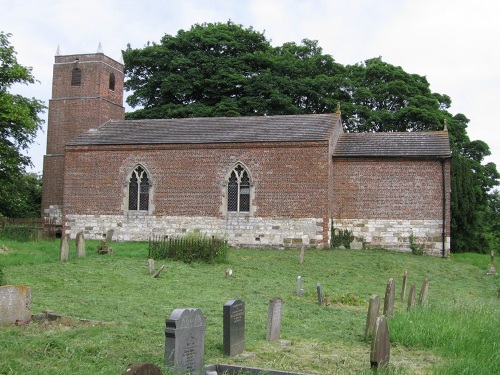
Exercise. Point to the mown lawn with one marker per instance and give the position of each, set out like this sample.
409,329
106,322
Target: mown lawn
458,333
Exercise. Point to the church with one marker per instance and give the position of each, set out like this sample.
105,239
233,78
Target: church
263,181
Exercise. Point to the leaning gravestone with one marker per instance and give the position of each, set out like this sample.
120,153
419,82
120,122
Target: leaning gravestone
80,245
274,319
15,301
64,249
424,293
381,347
233,327
185,341
389,298
371,317
411,297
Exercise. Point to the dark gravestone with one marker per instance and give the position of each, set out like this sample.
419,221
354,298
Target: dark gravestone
403,289
319,289
142,369
381,346
185,341
274,319
234,327
389,299
371,317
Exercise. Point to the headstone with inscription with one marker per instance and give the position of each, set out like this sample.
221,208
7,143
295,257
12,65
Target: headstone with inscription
185,341
274,319
371,317
80,245
234,327
15,301
64,249
381,347
389,298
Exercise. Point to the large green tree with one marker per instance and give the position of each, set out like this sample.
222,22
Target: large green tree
19,116
224,69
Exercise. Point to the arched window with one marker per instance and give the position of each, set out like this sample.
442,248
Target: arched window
238,190
138,190
76,77
112,82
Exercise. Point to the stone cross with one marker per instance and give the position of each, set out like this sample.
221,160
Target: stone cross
80,245
371,317
411,297
64,249
274,319
381,346
319,289
424,293
185,340
389,298
233,327
299,290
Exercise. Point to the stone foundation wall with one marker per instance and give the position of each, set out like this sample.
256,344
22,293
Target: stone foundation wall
395,234
53,212
238,230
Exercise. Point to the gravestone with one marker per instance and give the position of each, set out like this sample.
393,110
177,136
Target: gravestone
302,253
319,289
233,327
274,319
64,249
185,341
142,369
15,301
381,347
492,270
403,289
371,317
109,235
154,275
424,293
299,290
389,298
411,297
80,245
151,266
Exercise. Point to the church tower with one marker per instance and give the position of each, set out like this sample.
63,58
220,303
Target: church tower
87,91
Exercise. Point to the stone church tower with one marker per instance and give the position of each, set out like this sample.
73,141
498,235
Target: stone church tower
87,91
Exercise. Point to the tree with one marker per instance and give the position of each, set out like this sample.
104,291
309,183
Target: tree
21,196
19,116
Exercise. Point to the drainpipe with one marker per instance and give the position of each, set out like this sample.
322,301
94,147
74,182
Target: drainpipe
443,176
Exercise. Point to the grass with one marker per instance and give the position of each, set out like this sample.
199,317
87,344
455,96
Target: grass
456,334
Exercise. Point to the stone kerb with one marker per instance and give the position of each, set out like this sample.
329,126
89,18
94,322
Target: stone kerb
15,301
185,341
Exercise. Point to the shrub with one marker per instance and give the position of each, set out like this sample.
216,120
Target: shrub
416,249
341,237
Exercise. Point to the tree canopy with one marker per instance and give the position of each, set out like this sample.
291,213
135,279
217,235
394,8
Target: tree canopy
19,116
224,69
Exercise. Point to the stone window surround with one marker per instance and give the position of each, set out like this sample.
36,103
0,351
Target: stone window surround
224,194
150,209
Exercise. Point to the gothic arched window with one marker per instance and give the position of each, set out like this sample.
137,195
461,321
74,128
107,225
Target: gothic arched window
138,190
238,190
112,82
76,77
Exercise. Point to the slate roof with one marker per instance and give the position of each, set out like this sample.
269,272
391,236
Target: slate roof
411,144
286,128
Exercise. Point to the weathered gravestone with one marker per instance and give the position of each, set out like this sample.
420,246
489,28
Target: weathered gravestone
151,266
389,298
142,369
424,293
64,249
381,347
371,317
302,254
80,245
299,290
403,289
15,301
319,290
234,327
185,341
109,235
411,297
274,319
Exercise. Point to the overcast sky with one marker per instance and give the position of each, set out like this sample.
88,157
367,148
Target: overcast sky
454,43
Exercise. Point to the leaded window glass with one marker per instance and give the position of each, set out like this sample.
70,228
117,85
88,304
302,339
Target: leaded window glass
138,190
238,190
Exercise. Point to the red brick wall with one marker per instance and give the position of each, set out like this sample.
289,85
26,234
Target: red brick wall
390,189
290,180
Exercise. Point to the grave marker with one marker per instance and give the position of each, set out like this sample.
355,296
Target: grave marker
64,249
389,298
302,253
185,340
403,289
299,290
381,346
80,245
109,235
15,301
424,293
411,297
151,266
371,317
234,327
274,319
319,289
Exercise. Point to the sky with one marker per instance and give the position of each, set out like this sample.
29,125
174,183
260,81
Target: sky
454,43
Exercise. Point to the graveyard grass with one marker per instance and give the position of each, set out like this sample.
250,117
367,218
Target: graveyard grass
457,333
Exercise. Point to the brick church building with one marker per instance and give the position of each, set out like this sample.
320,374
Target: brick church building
257,181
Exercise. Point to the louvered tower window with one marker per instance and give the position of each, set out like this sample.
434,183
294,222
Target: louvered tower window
138,190
112,82
238,190
76,77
